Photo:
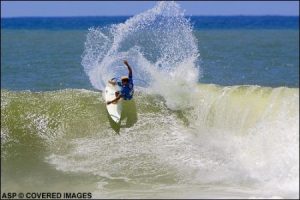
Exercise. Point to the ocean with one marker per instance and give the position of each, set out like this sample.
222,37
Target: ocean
215,112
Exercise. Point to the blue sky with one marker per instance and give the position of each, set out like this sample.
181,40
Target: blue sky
108,8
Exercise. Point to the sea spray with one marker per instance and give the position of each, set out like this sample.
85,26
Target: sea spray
159,45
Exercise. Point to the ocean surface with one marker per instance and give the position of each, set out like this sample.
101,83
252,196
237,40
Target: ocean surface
215,112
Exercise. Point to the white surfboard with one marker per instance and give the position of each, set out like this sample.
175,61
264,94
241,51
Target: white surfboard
114,109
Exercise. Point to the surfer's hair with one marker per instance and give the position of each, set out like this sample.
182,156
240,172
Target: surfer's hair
124,78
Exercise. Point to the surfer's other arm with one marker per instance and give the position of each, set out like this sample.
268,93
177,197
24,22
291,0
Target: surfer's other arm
129,68
115,100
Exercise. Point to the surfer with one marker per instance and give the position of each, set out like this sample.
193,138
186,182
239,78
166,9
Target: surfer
126,85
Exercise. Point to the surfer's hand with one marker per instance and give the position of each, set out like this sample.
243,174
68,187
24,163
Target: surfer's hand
109,102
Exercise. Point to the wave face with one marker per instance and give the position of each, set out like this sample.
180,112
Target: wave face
177,138
158,43
231,137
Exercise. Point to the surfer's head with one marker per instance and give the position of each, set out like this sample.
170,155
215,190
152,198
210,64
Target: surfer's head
124,80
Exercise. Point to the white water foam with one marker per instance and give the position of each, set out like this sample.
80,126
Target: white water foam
160,46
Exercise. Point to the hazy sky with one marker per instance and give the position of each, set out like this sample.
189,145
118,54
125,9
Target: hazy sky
104,8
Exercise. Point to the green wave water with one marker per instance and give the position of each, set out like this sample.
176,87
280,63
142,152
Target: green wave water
230,137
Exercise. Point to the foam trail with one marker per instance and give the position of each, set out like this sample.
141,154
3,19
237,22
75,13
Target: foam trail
158,43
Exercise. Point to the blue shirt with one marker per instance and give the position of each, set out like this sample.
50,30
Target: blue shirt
127,90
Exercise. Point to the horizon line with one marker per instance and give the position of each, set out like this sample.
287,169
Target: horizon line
71,16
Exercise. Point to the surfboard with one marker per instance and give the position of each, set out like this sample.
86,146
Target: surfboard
114,109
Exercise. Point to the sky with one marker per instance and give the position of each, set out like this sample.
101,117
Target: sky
109,8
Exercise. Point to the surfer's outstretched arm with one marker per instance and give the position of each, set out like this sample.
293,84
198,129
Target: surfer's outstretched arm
129,68
115,100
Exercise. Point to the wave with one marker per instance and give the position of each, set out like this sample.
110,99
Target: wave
230,135
234,108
